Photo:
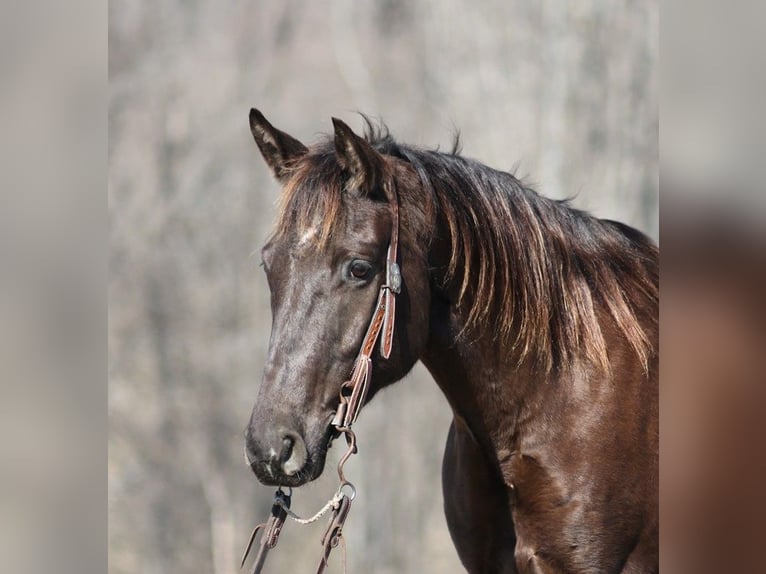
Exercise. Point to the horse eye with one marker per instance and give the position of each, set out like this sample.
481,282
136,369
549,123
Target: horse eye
360,269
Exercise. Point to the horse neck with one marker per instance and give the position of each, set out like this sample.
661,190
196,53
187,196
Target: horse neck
454,364
484,381
479,376
491,392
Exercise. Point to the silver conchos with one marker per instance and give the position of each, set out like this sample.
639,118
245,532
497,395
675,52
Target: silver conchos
394,277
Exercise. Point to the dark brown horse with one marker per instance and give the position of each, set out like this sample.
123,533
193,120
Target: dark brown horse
537,321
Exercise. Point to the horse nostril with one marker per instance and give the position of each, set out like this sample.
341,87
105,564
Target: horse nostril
287,449
277,453
294,454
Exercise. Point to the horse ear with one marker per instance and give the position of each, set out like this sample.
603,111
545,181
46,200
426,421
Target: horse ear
357,157
279,149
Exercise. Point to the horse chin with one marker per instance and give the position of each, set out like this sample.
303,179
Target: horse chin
310,471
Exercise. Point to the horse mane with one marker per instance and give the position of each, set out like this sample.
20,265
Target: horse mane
534,272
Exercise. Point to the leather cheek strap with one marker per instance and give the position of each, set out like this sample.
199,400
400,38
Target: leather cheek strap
393,285
383,320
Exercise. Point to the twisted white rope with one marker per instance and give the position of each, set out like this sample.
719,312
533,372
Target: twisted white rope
333,503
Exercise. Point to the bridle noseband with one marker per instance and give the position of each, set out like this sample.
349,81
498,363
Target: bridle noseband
353,394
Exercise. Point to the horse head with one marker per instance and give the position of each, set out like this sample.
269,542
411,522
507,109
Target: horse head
325,264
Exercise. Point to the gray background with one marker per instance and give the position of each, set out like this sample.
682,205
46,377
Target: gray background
563,93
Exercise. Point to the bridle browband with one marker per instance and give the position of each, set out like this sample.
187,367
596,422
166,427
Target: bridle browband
353,394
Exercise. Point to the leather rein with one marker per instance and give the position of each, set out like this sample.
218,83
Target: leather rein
353,393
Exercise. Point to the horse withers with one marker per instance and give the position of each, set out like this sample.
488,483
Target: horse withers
539,323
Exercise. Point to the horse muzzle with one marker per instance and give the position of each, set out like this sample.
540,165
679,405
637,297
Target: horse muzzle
278,457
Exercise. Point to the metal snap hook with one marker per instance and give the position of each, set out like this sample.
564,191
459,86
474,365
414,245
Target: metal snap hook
351,441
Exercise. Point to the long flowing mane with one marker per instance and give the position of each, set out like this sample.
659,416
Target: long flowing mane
538,274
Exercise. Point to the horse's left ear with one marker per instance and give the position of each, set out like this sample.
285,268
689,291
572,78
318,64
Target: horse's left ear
357,157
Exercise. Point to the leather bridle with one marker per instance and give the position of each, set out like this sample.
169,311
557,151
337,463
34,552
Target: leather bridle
354,391
353,394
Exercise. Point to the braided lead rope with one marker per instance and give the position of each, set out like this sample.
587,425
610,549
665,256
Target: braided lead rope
333,504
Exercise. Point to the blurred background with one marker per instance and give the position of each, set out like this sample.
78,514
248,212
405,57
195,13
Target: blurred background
565,94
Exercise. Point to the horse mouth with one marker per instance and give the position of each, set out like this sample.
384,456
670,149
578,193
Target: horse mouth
270,478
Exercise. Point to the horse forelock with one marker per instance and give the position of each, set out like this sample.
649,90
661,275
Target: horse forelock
310,206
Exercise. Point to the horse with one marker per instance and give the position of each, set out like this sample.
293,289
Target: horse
538,322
